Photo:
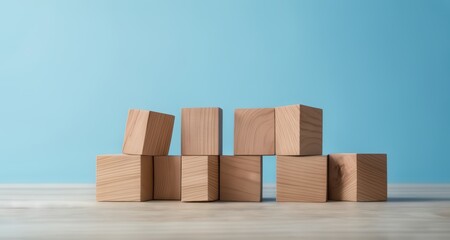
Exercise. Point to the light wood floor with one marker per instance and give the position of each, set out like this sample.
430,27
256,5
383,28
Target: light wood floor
71,212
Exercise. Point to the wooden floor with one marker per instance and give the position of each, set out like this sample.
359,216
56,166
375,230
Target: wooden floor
71,212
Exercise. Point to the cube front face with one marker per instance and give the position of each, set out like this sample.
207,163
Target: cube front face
199,178
241,178
254,131
148,133
302,179
358,177
167,177
201,131
124,178
298,130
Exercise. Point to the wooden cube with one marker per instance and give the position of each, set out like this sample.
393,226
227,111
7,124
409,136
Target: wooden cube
357,177
199,178
254,131
241,178
201,131
148,133
124,178
167,177
298,130
302,179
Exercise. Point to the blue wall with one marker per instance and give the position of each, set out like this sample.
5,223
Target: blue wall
70,70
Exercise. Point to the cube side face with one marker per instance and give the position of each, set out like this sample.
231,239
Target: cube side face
201,131
158,134
241,178
118,178
213,178
194,178
135,132
287,130
146,178
311,120
254,131
372,177
342,177
302,179
167,177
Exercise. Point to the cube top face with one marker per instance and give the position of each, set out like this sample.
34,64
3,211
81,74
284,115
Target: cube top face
148,133
298,130
241,178
358,177
200,178
302,179
124,178
254,131
201,131
167,177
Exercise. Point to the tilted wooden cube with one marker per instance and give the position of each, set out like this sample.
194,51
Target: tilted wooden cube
298,130
302,178
254,131
148,133
241,178
167,177
357,177
199,178
201,131
124,178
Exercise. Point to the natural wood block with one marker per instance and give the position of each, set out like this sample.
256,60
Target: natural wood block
124,178
201,131
254,131
199,178
148,133
357,177
167,177
302,179
298,130
241,178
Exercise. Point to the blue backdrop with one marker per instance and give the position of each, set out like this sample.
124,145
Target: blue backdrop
70,70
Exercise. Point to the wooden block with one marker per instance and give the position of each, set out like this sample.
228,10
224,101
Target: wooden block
124,178
302,179
254,131
357,177
298,130
199,178
148,133
241,178
201,131
167,177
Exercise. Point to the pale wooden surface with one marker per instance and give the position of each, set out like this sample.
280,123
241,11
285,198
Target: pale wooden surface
240,178
302,178
254,131
71,212
201,131
167,177
123,177
199,178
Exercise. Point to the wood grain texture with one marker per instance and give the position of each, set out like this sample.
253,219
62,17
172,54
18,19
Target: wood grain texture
241,178
148,133
298,130
55,212
167,177
201,131
357,177
254,131
124,178
302,179
199,178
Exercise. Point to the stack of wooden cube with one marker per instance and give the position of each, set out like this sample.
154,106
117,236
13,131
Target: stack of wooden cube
293,133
